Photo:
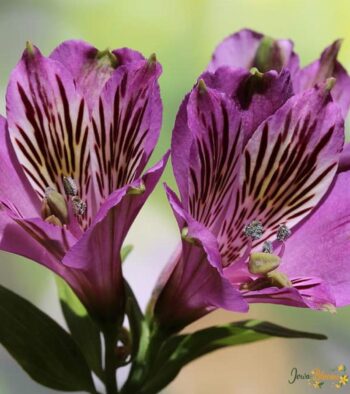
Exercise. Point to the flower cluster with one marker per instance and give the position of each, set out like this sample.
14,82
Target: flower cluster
263,210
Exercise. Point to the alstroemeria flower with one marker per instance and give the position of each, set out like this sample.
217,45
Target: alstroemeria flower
81,126
249,49
243,192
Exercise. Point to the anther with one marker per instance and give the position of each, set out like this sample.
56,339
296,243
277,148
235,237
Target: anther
279,279
254,230
70,187
283,233
52,219
262,263
79,206
267,247
55,204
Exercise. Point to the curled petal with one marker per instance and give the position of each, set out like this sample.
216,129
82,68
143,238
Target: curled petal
193,285
98,250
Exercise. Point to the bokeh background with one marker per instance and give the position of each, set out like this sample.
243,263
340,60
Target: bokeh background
183,33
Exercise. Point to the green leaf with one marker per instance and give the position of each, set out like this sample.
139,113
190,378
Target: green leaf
83,329
126,250
180,350
138,325
42,347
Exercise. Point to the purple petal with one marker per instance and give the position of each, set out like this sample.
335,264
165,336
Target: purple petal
322,69
288,166
126,125
181,142
215,125
306,293
193,285
48,124
91,68
98,251
242,50
320,247
55,239
206,145
14,186
344,162
256,95
237,50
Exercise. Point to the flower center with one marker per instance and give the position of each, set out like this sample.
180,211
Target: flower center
265,264
54,208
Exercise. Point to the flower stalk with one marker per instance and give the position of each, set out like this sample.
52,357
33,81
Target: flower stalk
110,339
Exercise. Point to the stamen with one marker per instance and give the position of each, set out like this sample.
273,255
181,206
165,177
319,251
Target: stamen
70,186
267,247
137,190
54,204
279,279
329,308
254,230
79,206
52,219
262,263
283,233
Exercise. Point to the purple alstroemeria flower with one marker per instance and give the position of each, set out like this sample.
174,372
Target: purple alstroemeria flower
81,126
249,49
243,192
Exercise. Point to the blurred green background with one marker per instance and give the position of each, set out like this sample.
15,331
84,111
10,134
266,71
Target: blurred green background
183,33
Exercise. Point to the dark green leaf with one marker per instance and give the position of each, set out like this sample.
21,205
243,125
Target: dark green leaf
137,322
180,350
83,329
42,347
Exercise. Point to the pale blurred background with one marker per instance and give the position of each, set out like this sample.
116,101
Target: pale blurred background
183,33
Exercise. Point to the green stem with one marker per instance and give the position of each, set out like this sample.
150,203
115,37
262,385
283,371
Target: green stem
110,380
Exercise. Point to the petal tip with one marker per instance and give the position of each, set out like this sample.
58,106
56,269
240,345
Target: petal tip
202,87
